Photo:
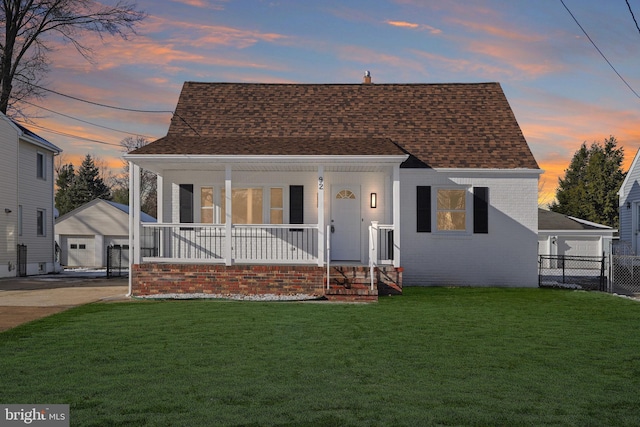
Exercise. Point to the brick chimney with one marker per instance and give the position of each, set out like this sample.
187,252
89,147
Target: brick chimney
367,78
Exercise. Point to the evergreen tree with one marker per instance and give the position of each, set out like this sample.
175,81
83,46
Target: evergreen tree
589,189
88,184
64,183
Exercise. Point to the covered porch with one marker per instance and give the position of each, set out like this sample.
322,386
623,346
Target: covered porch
267,225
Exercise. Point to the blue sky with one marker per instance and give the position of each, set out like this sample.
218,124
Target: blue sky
561,90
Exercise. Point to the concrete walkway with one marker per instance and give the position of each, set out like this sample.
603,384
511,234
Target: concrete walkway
23,299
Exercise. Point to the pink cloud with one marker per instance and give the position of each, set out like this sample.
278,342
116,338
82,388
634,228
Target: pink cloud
414,26
203,4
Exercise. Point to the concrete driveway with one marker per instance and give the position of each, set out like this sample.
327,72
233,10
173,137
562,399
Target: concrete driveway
23,299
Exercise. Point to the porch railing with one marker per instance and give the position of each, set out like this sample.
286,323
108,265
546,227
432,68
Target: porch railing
264,243
380,247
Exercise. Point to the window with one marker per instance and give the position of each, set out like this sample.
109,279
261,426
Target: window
246,206
73,246
40,227
454,207
276,208
40,166
451,214
206,205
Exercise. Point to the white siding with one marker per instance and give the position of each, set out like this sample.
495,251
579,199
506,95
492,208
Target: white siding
629,202
95,220
34,194
506,256
9,198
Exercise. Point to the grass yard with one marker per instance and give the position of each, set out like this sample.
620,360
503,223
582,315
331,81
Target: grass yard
435,356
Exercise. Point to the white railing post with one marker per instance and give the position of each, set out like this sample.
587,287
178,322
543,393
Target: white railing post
373,250
328,256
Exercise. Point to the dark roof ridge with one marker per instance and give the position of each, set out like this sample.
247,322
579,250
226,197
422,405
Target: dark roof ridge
343,84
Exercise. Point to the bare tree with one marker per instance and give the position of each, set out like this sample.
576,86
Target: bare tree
148,180
30,26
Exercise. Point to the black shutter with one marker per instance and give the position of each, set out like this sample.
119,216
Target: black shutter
296,204
186,203
423,214
481,210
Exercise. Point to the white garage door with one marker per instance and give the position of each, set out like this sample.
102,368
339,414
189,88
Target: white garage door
80,251
582,246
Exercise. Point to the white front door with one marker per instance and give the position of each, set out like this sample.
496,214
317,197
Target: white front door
345,223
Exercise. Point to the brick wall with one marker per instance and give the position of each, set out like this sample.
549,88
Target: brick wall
153,279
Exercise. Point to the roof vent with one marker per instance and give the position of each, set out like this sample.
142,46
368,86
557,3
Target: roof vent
367,78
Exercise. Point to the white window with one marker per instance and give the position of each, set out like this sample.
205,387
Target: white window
246,206
276,209
451,210
41,222
40,166
206,205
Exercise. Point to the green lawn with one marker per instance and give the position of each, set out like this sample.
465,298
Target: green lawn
434,356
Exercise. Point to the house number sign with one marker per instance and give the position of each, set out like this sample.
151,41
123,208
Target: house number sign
320,183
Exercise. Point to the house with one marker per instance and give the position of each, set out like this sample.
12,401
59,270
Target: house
629,207
26,215
310,188
85,233
564,235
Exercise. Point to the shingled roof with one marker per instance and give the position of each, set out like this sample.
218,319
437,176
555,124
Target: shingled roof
439,125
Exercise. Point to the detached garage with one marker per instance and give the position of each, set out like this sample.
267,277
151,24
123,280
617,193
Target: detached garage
85,233
560,234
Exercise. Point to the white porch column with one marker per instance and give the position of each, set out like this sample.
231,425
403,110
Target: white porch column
134,219
159,198
227,214
321,226
396,216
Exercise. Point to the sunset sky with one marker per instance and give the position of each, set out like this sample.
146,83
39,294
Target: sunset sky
561,89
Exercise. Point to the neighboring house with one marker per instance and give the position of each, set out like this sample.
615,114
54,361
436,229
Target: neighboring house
560,234
263,188
85,233
26,193
629,207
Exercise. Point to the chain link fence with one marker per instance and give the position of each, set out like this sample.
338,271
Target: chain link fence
579,272
117,261
625,270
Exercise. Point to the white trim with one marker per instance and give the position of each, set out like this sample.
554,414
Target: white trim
627,177
396,215
131,225
228,192
322,183
267,159
477,172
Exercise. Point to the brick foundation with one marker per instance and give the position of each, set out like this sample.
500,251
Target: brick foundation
157,279
347,283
